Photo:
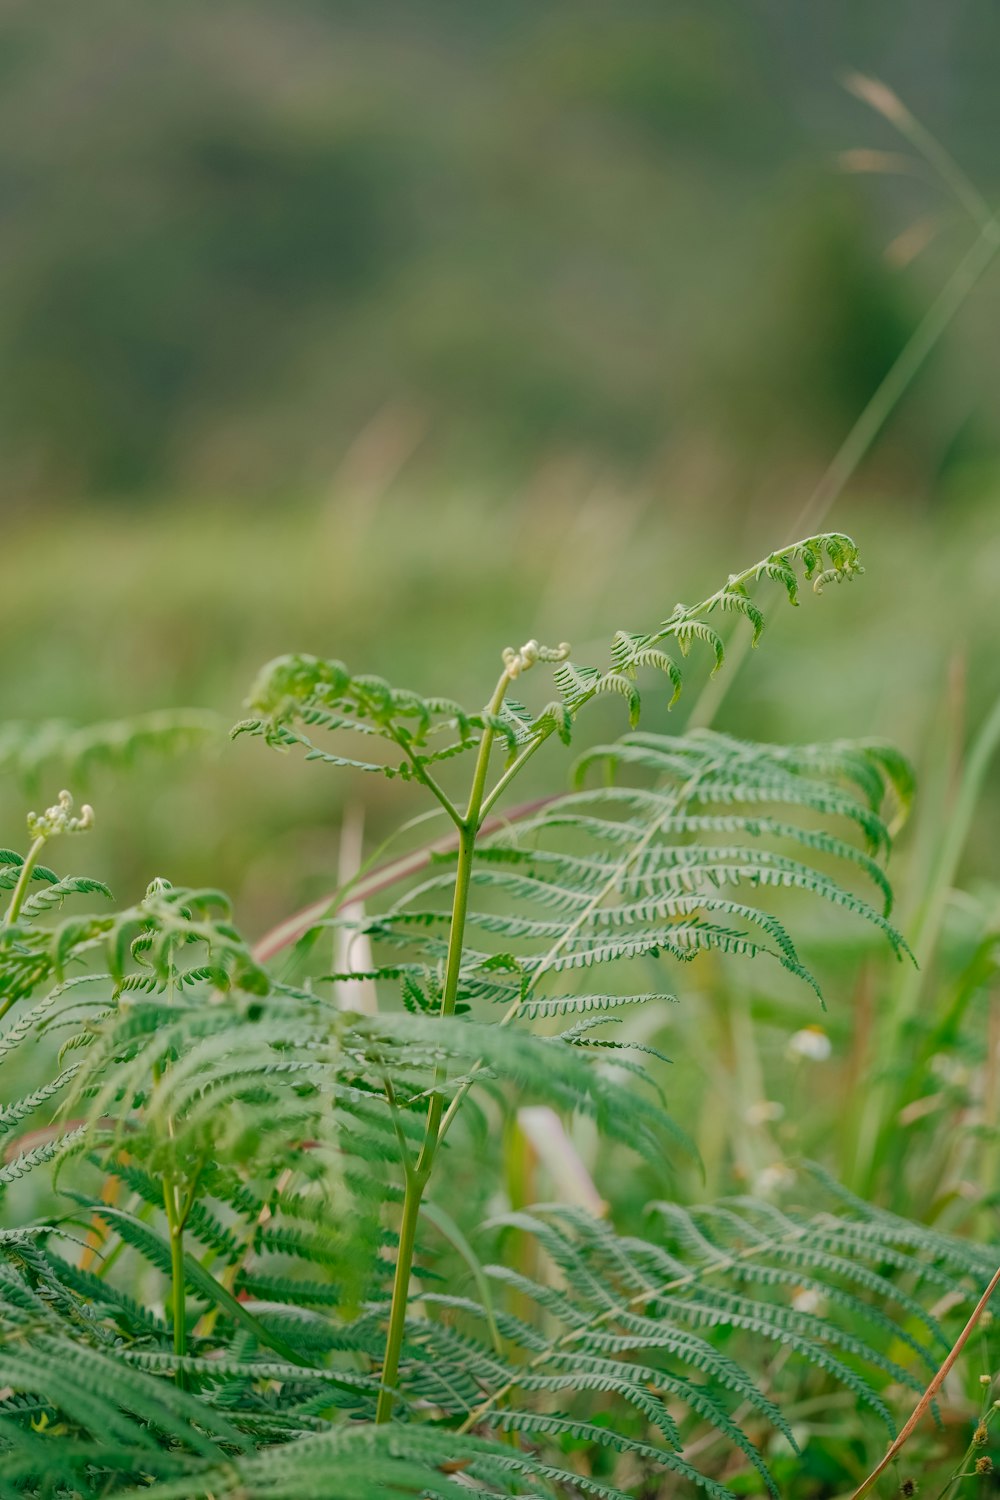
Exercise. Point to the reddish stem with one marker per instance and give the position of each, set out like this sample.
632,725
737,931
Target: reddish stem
927,1398
382,878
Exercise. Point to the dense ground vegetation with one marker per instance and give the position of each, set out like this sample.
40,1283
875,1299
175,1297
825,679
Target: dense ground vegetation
272,1217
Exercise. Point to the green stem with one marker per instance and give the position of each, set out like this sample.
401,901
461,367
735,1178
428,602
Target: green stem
449,996
418,1177
421,774
23,881
513,770
415,1184
882,1100
178,1209
177,1206
178,1288
401,1141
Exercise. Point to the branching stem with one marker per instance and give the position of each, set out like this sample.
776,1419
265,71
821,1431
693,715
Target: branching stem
424,776
177,1207
418,1176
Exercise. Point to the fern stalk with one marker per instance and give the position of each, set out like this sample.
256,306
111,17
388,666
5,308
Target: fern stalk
17,901
177,1206
178,1291
417,1176
57,819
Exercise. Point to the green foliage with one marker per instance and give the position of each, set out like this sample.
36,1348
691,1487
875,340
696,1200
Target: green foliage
29,750
631,1319
237,1285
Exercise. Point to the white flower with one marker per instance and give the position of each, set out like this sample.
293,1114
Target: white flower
812,1043
769,1179
807,1299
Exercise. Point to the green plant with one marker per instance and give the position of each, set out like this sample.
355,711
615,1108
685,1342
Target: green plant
348,1310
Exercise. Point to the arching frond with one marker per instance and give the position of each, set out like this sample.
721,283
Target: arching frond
297,695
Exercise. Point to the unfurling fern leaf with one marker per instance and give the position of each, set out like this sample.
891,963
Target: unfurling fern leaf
295,695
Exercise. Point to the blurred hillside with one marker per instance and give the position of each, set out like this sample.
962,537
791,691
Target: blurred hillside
235,234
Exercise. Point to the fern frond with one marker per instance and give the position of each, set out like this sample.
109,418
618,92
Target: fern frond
604,874
296,693
636,1319
26,749
52,895
239,1141
356,1463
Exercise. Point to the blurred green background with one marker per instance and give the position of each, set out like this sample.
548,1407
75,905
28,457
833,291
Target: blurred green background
402,332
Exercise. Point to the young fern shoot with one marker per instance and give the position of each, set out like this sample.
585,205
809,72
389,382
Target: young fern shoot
297,695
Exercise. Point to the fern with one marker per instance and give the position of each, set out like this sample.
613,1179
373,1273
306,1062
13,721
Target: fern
240,1288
